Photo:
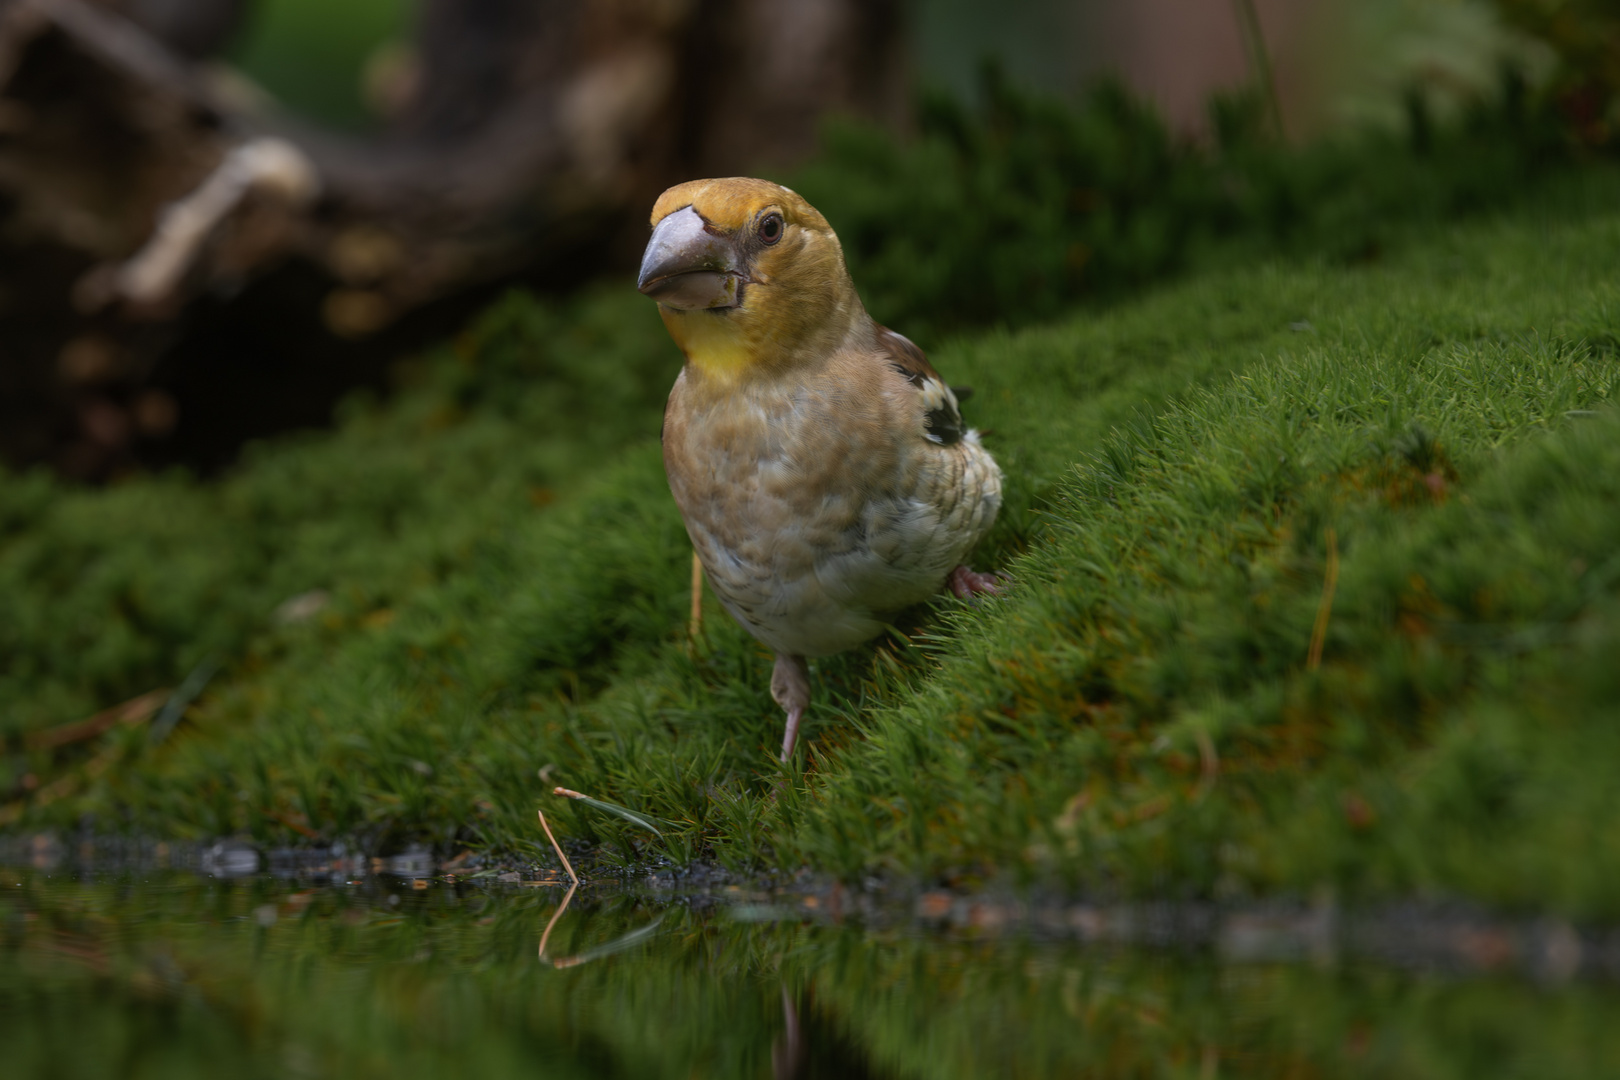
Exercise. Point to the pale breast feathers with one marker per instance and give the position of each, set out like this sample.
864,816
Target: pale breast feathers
822,507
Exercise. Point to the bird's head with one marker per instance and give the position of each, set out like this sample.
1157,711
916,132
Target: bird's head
749,278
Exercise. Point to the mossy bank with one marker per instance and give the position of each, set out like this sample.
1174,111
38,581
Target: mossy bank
1315,586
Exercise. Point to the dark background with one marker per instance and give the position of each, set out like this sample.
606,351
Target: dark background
453,148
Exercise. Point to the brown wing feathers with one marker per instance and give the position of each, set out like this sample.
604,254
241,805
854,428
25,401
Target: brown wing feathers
943,418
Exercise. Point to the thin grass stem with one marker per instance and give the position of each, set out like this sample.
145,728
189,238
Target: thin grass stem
558,849
1324,609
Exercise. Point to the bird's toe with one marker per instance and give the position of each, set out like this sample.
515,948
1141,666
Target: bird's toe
966,583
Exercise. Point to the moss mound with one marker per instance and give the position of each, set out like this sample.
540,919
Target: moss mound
1315,588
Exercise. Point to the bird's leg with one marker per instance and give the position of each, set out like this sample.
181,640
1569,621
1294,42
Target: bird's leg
967,583
790,686
695,627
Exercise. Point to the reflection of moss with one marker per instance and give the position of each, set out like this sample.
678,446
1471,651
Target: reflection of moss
188,978
311,54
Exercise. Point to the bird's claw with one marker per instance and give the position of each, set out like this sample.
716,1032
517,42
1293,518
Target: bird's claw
966,583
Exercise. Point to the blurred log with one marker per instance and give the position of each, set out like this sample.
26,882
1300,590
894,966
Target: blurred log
151,205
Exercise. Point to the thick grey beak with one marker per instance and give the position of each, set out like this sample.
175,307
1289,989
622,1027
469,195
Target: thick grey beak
688,267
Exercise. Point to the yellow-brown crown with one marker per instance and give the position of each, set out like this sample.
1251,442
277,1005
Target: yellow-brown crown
733,202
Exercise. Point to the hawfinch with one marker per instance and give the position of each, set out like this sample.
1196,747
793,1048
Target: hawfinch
820,463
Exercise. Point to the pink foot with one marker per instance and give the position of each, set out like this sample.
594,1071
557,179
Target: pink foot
790,734
790,686
967,583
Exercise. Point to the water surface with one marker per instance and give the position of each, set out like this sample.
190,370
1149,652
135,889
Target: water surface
175,974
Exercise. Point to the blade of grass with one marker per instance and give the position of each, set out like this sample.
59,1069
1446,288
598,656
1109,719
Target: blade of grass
612,808
1324,610
181,699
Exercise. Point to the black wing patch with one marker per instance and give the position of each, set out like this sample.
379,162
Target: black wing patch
943,419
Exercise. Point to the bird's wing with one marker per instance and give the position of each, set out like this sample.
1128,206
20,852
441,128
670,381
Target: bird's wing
941,415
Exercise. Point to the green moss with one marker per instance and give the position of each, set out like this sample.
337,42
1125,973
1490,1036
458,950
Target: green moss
505,583
110,593
1013,211
1143,714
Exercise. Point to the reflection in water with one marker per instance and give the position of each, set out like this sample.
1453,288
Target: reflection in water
170,975
608,948
787,1052
790,1050
552,925
813,1046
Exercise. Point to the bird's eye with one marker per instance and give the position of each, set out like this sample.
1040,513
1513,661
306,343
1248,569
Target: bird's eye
770,230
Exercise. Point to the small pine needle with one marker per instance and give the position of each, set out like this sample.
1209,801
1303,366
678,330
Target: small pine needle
1313,659
558,849
1210,764
611,808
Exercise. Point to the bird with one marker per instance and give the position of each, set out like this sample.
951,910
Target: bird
820,463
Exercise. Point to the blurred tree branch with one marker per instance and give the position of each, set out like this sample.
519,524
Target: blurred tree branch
524,136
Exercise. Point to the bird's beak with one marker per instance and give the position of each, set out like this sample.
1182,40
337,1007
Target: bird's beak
688,267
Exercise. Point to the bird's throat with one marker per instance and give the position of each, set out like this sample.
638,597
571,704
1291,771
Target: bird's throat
713,342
